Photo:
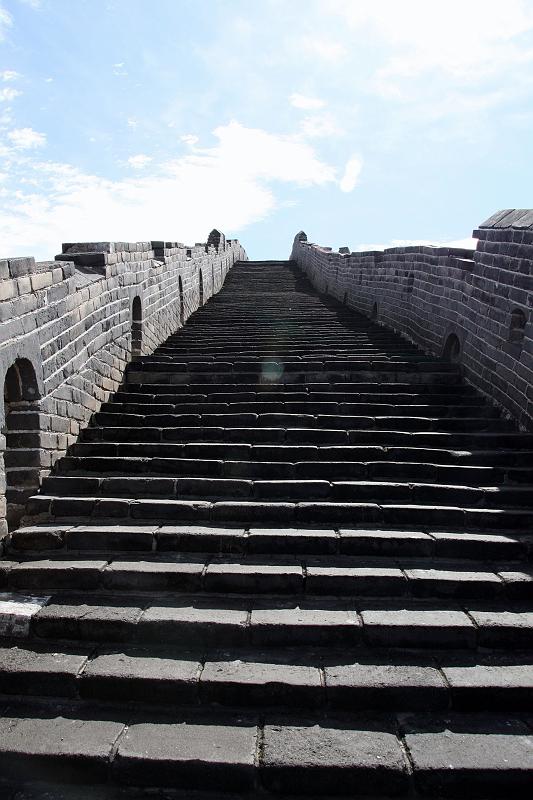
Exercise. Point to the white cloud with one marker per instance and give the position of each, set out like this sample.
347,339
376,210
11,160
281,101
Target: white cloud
320,47
229,186
5,22
8,94
7,75
466,39
26,138
189,139
306,102
139,161
352,170
31,3
320,126
118,69
132,122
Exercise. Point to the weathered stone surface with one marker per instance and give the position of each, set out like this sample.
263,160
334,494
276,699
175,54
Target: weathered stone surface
188,755
482,756
35,747
320,759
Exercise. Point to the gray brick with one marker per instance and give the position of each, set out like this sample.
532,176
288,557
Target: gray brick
320,759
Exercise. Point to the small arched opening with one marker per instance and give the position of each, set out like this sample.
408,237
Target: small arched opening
201,287
182,305
410,283
374,314
136,327
22,456
517,326
452,349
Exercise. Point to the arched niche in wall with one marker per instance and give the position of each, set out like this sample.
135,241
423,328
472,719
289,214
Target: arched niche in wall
201,287
452,349
182,304
136,327
22,457
374,313
516,333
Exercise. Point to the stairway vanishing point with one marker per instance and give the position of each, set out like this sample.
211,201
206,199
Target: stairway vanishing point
289,557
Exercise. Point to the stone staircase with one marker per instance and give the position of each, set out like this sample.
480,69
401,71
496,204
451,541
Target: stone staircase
290,557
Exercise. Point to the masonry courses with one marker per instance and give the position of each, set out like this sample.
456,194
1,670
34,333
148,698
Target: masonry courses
267,526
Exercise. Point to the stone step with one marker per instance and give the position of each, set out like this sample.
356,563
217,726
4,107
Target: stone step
348,390
337,755
109,537
269,575
375,491
282,441
215,620
303,460
305,678
328,470
244,417
339,411
257,512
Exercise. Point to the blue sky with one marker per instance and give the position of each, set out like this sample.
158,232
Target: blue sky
363,122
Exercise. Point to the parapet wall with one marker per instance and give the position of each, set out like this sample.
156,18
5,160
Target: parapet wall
70,326
472,306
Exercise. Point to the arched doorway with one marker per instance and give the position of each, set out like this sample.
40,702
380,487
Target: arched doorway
136,327
22,457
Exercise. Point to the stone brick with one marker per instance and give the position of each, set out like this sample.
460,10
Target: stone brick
189,755
481,756
322,758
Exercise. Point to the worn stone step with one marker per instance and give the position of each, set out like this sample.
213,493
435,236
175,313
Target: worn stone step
213,439
346,389
254,512
328,470
310,678
108,537
206,620
375,491
489,753
267,574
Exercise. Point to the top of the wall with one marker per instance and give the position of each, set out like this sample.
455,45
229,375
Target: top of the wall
520,218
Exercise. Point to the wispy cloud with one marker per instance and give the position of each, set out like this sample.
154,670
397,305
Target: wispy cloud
119,69
6,22
7,75
26,138
229,185
352,171
8,94
306,102
139,161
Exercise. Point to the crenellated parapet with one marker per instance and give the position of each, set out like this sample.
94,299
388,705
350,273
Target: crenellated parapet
70,326
471,306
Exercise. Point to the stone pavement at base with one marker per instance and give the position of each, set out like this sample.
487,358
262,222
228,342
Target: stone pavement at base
289,558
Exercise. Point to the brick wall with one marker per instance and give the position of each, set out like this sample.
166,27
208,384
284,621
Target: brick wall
472,306
66,337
